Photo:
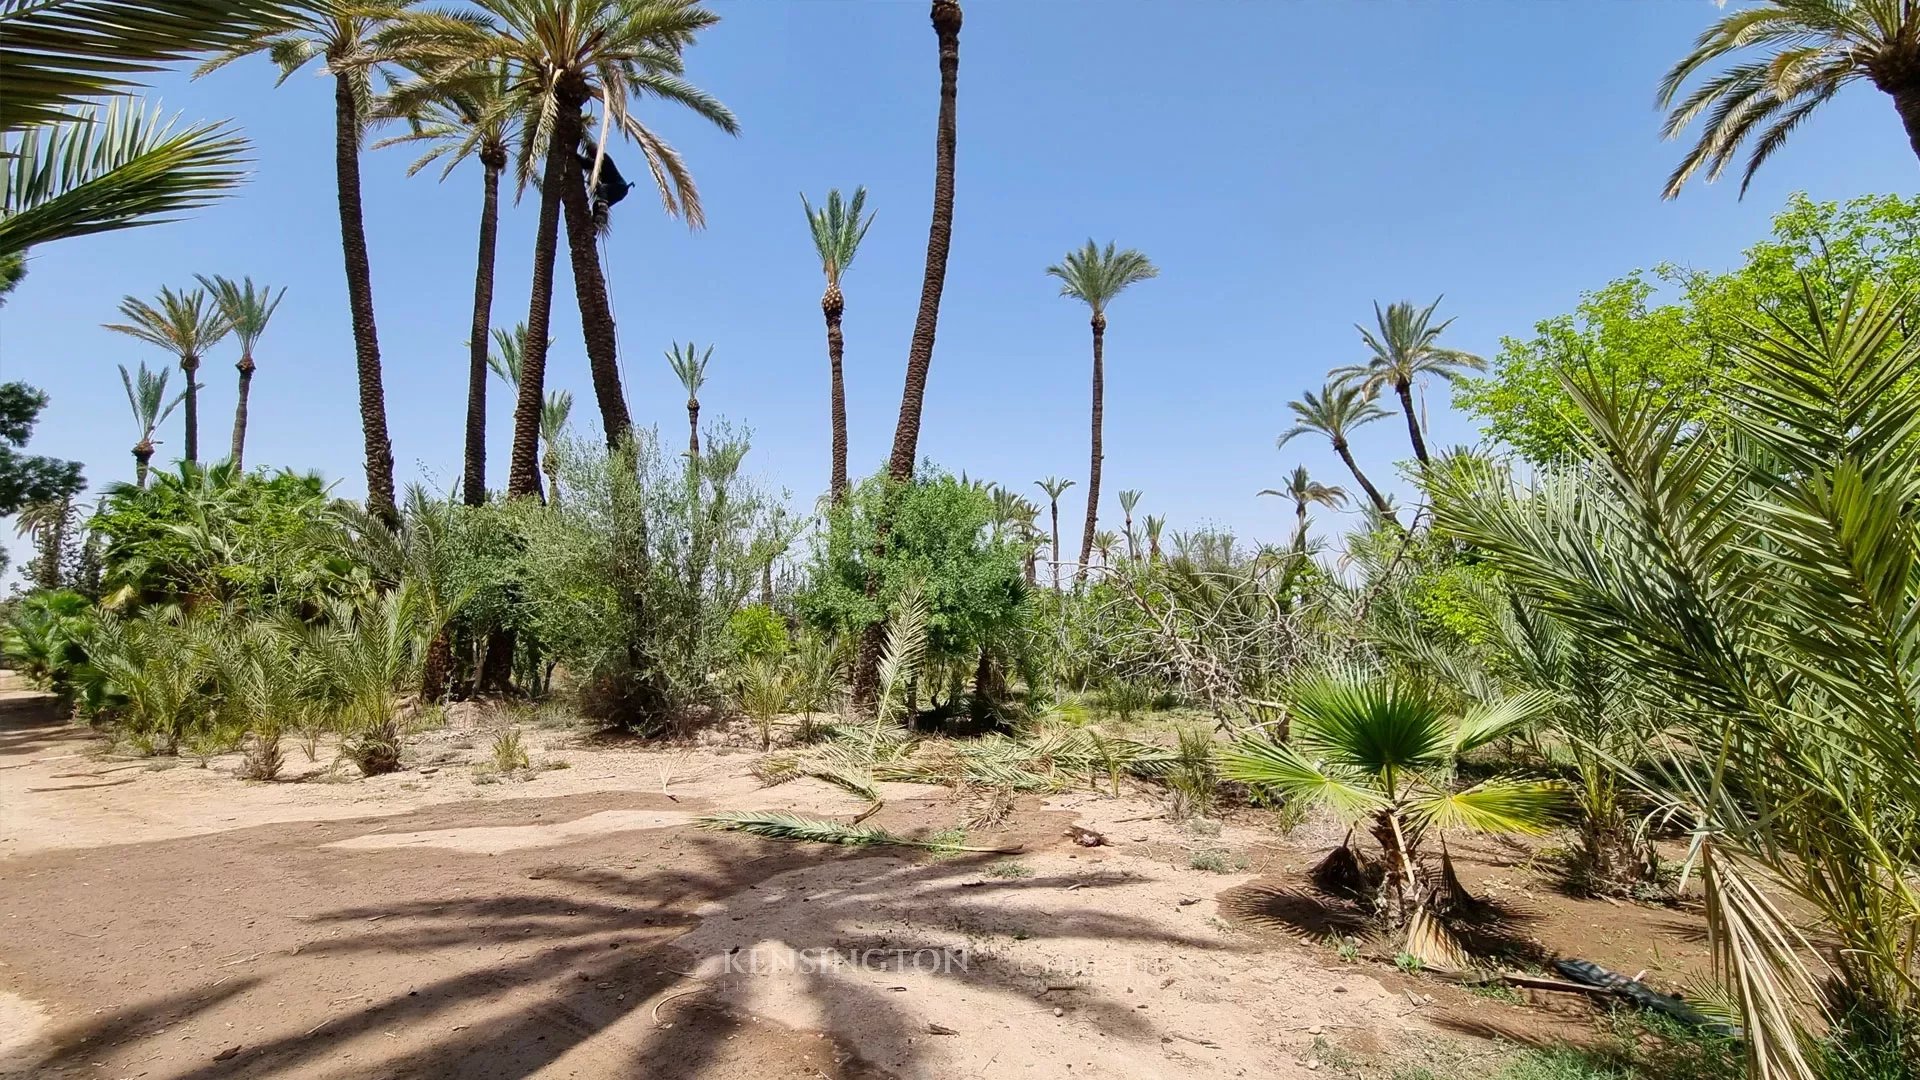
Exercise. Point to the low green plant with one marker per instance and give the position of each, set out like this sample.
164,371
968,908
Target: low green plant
1218,861
1008,870
1194,778
509,752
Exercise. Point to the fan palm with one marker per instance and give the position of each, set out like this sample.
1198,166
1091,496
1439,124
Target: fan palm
473,116
147,397
1335,411
690,367
1303,489
1404,347
1095,277
570,53
185,324
1055,487
553,425
1795,56
345,35
247,311
837,231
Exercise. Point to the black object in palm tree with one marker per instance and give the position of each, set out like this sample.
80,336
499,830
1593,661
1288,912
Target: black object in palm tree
1334,412
147,398
837,231
185,324
1404,346
247,310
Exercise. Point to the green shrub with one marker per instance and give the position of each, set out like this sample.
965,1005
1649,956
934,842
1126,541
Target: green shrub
757,632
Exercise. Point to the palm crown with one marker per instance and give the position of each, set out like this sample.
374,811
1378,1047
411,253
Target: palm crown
1304,490
690,366
473,114
1333,412
245,308
554,413
1095,277
347,35
147,397
1404,346
183,323
837,231
1054,487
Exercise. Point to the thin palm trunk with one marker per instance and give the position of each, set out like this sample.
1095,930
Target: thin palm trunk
1405,392
590,284
1300,525
190,366
523,476
833,305
1093,469
473,483
245,367
693,428
366,338
142,461
1373,493
1056,546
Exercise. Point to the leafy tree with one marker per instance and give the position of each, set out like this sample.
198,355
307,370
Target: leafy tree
1334,412
247,311
29,478
186,324
837,231
1404,346
45,637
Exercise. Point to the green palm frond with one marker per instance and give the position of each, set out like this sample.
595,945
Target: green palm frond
1095,276
1483,722
1403,346
1334,412
147,397
837,230
1376,725
186,324
512,345
246,309
1261,762
554,413
1494,806
689,366
906,645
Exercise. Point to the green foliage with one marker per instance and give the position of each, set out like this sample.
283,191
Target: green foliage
45,636
29,478
757,632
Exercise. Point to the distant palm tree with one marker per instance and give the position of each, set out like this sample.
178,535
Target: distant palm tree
1104,543
1154,526
1303,489
248,311
569,54
147,397
1129,500
553,424
690,367
1803,52
1334,412
472,116
513,347
185,324
837,231
1095,277
1404,347
345,35
906,433
1055,487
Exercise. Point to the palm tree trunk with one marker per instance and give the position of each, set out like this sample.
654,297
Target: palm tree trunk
906,434
589,284
1300,525
473,482
833,305
142,460
693,429
190,366
1093,470
1906,99
523,475
1127,523
1056,545
1405,390
366,338
245,367
1373,493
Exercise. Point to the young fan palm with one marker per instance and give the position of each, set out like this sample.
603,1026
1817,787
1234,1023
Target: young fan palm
553,424
473,116
690,367
185,324
344,35
147,397
247,310
1381,753
1802,52
837,231
570,54
1404,347
1334,412
1303,489
1095,277
1055,487
1128,500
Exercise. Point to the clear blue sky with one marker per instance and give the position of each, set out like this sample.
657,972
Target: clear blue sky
1284,164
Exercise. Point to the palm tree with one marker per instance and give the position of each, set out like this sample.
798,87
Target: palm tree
906,433
1055,487
1303,489
247,311
186,325
513,348
1404,348
476,116
1095,277
1334,412
1803,52
46,521
553,424
147,397
690,367
346,36
1154,526
837,232
570,53
1128,500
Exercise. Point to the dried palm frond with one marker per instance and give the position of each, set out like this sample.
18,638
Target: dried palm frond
779,825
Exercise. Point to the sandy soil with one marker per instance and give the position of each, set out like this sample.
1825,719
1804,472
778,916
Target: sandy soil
184,924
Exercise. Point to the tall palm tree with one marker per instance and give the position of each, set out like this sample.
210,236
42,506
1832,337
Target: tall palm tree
347,37
1334,412
906,433
1055,487
837,232
147,397
690,367
1802,53
553,424
475,116
1128,500
1404,347
1095,277
1303,489
185,324
247,310
571,53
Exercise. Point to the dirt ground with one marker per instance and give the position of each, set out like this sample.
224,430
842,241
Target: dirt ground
180,923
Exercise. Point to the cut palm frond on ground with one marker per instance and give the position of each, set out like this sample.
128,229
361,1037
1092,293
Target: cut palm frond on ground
780,825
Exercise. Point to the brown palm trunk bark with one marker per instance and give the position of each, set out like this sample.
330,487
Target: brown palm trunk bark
245,367
833,305
1300,525
1405,392
142,461
437,667
1093,470
523,470
589,283
1373,493
1906,101
693,429
473,481
366,338
190,366
1056,546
